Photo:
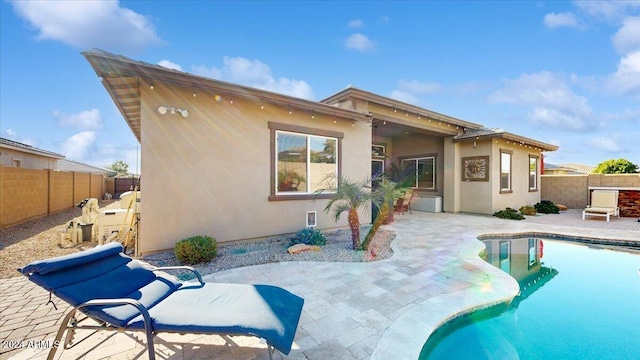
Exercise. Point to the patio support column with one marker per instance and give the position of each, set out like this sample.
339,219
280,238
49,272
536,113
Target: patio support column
451,187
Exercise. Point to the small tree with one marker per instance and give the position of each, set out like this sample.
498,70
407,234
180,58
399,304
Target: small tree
620,166
383,196
349,196
120,167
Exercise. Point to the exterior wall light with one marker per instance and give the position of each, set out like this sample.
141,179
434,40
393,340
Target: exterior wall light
162,110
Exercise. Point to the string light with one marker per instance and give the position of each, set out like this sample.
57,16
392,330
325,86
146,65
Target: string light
194,94
151,86
290,111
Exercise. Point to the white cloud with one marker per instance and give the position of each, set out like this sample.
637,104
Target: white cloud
609,10
88,119
256,74
359,43
551,100
87,24
78,146
627,39
563,19
355,24
626,79
605,144
170,65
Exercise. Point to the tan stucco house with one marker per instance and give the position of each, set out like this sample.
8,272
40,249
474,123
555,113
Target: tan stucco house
17,154
238,163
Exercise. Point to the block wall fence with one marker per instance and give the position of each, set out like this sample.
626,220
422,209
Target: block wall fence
573,190
27,194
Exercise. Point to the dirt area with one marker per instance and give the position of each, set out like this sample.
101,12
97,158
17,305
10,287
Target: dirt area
38,239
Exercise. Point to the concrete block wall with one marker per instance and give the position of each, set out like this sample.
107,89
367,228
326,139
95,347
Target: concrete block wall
61,191
29,194
573,190
24,194
569,190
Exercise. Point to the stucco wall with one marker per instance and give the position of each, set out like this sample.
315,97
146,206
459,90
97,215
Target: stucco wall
520,194
476,196
28,161
573,190
210,173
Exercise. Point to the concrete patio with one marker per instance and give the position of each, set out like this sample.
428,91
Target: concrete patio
380,310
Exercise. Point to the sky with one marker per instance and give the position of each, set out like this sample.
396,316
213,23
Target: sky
562,72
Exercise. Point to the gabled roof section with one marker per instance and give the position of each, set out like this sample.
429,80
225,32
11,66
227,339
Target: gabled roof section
10,144
486,133
122,77
69,165
355,93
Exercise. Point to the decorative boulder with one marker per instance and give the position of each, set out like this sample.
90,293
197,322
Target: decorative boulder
298,248
561,207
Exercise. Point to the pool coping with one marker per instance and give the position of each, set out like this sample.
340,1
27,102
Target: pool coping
398,340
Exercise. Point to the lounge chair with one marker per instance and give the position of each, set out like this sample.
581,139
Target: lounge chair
122,293
404,203
603,203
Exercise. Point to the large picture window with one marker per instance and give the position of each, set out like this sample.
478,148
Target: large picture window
303,159
533,173
505,170
421,171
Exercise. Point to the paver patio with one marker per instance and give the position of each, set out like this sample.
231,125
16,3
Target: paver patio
380,310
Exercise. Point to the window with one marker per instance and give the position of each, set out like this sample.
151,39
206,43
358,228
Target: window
505,171
422,170
533,173
302,160
17,163
505,256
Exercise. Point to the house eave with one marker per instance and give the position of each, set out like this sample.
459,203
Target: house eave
351,93
122,78
517,139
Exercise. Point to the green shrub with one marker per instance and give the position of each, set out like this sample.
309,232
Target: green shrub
509,213
196,249
309,236
547,207
528,210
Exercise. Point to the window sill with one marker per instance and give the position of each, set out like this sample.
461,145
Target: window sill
299,197
506,191
533,190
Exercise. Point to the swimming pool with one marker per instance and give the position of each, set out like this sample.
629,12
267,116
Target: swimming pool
576,302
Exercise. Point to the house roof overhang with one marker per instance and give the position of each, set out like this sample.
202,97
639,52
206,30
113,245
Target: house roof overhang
122,78
418,112
488,134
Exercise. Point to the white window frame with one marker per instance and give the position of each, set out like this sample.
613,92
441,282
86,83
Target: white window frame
402,161
534,173
509,188
308,162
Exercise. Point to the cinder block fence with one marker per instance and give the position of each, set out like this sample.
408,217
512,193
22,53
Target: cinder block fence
574,190
27,194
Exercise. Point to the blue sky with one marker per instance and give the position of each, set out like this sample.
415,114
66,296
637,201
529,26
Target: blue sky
566,73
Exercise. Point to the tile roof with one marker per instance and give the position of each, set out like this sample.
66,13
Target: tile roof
28,148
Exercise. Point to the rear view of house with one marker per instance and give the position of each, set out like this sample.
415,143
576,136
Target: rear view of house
238,163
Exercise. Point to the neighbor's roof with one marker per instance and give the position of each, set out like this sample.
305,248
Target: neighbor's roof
122,77
69,165
486,133
580,168
10,144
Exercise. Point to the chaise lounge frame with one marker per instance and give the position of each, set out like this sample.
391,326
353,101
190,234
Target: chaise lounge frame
603,203
286,306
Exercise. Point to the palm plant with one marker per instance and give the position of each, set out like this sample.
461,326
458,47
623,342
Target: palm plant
349,196
383,196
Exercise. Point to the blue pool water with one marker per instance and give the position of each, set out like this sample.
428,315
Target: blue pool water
576,302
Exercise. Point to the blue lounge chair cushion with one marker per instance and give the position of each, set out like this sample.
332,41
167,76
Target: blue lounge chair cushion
46,266
265,311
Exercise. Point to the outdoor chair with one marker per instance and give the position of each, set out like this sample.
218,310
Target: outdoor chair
403,204
125,294
603,203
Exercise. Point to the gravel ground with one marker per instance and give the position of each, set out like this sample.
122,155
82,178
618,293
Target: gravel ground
337,249
38,239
